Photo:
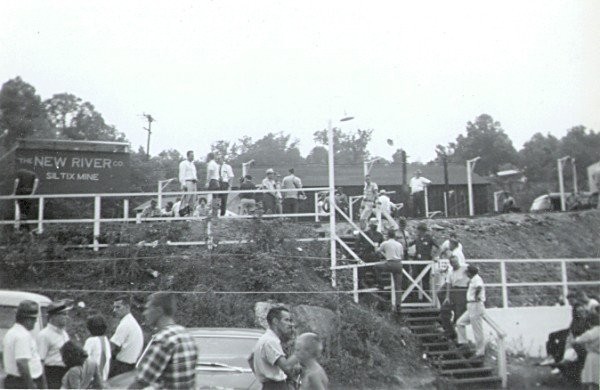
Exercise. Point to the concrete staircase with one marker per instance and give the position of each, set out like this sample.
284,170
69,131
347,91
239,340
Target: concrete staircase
456,368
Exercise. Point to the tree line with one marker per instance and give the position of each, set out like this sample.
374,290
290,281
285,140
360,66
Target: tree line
23,114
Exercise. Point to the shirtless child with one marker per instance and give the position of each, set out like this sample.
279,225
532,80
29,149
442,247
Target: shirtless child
308,348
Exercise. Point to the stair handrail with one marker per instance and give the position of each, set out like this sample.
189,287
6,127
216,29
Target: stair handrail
502,369
354,226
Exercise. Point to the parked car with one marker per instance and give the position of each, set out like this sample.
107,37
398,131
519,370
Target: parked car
9,300
222,362
579,201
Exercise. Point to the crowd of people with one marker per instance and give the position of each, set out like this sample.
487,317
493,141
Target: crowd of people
53,361
457,286
282,194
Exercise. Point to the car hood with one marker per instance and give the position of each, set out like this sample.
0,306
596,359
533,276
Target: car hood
205,380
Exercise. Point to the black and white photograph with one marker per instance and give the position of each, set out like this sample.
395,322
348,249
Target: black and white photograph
316,195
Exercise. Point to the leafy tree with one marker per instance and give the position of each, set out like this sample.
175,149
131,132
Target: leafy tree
22,113
79,121
318,155
485,138
272,149
348,147
584,146
538,157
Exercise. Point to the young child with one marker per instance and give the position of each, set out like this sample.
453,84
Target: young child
308,349
97,345
83,373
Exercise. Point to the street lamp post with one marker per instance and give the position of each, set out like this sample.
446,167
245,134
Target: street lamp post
561,183
470,167
368,165
245,167
332,232
162,184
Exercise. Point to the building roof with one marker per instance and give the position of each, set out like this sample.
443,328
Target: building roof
64,144
315,175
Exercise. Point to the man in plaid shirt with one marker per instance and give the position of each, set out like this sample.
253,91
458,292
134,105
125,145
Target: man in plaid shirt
170,359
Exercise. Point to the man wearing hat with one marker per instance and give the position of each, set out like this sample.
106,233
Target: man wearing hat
22,362
269,198
51,339
417,193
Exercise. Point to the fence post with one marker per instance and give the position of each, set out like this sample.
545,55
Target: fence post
125,209
316,206
502,361
565,283
503,281
393,291
425,195
355,283
41,216
17,215
97,201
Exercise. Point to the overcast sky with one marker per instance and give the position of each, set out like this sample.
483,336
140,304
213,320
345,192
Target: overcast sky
414,72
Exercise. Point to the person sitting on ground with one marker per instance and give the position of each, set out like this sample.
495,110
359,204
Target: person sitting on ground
82,373
247,199
341,200
167,211
574,355
97,345
152,211
590,339
201,209
509,205
177,206
308,349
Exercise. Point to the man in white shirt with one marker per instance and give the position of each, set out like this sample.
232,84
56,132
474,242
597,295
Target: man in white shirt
51,339
384,207
393,251
188,179
225,180
453,296
474,313
452,247
22,362
212,183
290,198
270,198
268,361
127,342
370,195
417,193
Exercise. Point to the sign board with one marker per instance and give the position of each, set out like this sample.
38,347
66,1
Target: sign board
76,171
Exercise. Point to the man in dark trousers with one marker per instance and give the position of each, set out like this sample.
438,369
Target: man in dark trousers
424,244
367,252
26,183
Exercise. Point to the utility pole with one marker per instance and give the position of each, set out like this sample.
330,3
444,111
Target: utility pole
150,119
446,183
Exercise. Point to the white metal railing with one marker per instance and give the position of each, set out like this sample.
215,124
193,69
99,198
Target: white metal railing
501,352
415,283
97,219
564,282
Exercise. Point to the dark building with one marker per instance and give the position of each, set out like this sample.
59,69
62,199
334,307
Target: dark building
389,177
